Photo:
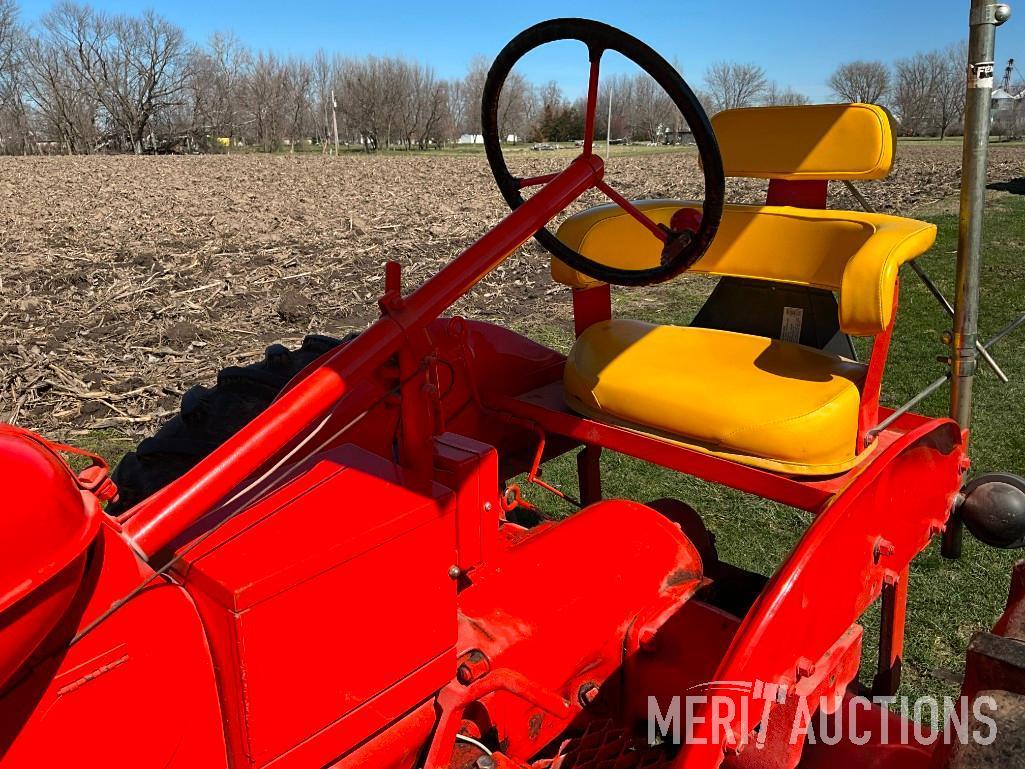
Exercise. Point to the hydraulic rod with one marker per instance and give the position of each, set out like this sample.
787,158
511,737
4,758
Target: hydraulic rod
156,522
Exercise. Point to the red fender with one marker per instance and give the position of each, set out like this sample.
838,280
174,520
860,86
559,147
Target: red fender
869,532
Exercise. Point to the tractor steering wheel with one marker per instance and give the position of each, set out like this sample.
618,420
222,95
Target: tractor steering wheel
682,246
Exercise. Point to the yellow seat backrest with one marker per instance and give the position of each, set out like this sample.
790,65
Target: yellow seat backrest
815,142
856,254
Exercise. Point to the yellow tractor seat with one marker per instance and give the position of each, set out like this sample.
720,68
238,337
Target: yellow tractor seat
777,405
772,404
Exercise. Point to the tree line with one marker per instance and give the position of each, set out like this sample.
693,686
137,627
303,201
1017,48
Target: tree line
925,92
81,81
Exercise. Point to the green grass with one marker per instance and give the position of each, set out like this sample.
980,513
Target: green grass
948,600
109,444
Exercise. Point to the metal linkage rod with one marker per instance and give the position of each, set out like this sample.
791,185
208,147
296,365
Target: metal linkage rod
933,288
935,291
933,387
1005,331
992,342
862,200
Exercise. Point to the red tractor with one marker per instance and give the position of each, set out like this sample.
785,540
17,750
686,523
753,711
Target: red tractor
348,581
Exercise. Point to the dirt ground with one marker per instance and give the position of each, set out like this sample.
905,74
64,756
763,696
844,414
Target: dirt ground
124,280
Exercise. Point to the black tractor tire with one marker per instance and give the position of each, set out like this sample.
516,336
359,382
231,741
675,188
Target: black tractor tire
208,417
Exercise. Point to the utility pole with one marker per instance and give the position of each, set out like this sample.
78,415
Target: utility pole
608,131
334,118
984,19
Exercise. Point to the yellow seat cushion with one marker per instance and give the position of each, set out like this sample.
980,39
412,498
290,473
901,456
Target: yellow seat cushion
776,405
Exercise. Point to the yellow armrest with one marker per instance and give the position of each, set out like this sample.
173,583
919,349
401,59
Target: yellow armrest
870,276
855,253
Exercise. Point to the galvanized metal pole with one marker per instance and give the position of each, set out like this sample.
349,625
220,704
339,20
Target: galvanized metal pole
985,17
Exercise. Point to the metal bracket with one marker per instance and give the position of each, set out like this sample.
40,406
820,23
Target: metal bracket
994,13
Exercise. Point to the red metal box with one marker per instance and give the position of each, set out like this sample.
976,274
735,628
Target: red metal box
329,608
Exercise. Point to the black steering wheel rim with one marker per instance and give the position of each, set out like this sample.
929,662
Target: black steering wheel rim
598,38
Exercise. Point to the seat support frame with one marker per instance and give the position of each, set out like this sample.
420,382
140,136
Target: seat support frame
868,413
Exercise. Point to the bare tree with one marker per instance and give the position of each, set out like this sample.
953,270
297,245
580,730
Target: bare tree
135,66
267,99
951,65
864,82
513,105
14,127
9,44
915,91
730,85
424,106
471,92
778,96
651,108
620,90
323,84
299,101
86,80
361,99
432,113
229,61
63,102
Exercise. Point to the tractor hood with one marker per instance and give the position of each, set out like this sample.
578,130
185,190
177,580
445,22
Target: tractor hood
47,520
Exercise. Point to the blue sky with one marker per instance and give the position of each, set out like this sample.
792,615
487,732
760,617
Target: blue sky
798,42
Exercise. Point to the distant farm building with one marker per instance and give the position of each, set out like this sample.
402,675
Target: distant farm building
675,135
1007,111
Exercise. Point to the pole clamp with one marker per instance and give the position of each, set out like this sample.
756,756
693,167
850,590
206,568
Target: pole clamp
992,13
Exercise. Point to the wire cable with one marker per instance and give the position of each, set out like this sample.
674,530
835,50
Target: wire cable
476,743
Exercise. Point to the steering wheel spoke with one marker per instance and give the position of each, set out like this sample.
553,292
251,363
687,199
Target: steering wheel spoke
533,181
680,248
592,101
661,232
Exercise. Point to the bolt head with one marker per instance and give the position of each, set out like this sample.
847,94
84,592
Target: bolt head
647,641
883,548
588,694
455,572
485,762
